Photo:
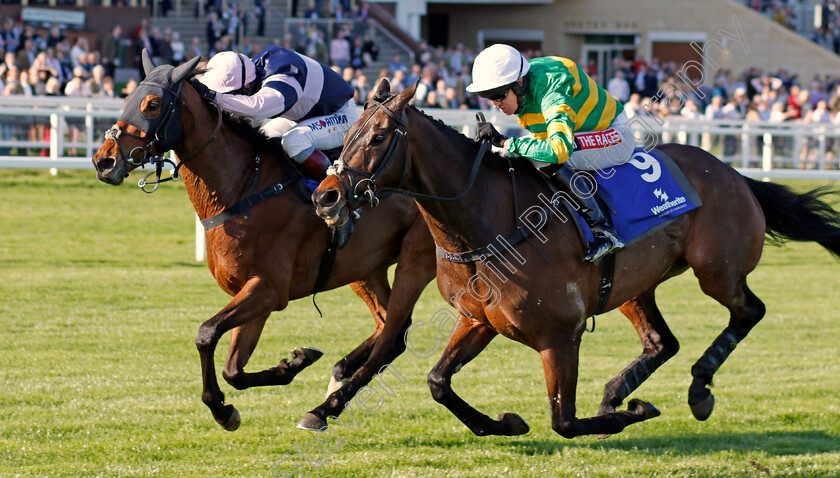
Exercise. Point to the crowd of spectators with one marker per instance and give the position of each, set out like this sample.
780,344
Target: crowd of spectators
35,63
827,31
783,12
658,90
337,33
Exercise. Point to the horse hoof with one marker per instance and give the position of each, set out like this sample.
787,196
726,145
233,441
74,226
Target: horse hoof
644,409
703,410
333,386
232,422
312,423
310,354
513,424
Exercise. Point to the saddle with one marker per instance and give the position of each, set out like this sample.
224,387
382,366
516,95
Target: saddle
547,175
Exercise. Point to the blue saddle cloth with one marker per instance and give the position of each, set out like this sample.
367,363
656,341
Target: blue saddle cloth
310,184
643,195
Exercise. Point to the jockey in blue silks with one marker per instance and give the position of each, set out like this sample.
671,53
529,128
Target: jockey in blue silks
289,96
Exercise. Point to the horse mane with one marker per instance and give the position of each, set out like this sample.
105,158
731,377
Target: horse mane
451,132
441,126
243,128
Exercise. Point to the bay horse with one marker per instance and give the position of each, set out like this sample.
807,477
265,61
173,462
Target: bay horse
270,254
544,299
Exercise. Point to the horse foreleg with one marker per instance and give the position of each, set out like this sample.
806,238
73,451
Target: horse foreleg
243,341
560,362
376,292
254,301
658,346
469,339
415,269
746,310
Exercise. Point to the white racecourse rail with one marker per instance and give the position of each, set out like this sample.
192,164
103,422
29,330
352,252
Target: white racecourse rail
64,133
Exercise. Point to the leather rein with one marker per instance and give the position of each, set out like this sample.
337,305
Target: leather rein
365,187
373,193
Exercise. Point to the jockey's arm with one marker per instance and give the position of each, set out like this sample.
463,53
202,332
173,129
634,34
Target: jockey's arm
265,103
556,144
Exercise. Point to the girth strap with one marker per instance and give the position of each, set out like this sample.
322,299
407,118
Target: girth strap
490,250
605,284
246,204
326,266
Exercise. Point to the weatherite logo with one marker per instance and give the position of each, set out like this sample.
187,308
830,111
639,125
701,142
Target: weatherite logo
328,121
667,207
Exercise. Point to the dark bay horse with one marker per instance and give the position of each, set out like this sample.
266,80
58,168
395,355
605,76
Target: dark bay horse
540,292
270,255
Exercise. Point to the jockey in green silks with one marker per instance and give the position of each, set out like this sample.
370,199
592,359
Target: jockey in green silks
571,120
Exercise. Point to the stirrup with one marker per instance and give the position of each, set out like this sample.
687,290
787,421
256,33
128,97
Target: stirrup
605,242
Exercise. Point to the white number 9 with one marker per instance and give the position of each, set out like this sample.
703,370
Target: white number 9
644,162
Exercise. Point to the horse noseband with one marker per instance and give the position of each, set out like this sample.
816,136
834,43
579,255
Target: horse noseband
353,188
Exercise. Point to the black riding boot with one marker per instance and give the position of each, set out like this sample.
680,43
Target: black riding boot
606,239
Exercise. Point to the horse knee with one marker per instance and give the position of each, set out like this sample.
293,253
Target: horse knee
339,370
206,338
567,428
670,348
235,378
439,385
399,348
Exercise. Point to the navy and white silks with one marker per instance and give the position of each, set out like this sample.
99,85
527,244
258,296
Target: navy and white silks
300,100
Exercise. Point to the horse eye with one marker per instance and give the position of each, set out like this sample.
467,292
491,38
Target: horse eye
377,139
154,105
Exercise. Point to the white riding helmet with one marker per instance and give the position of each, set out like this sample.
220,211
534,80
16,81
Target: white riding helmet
228,71
496,66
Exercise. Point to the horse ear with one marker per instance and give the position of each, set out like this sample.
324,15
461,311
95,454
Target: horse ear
148,64
405,96
383,90
180,72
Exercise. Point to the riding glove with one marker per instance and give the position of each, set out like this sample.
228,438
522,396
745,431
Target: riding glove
203,90
488,131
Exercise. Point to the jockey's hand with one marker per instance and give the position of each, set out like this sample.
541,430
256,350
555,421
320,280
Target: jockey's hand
203,90
488,131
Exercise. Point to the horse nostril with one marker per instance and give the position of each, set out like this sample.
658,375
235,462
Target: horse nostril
105,164
330,198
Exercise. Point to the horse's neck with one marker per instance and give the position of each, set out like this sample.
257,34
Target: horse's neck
473,221
219,173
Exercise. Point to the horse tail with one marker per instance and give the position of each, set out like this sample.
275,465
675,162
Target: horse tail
798,217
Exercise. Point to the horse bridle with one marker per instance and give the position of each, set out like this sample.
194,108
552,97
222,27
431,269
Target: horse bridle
369,179
159,139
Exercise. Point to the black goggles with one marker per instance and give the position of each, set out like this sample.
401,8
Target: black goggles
496,94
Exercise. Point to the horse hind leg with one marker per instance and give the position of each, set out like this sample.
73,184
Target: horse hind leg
560,362
746,310
659,345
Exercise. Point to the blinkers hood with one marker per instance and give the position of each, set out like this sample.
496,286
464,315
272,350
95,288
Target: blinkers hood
165,81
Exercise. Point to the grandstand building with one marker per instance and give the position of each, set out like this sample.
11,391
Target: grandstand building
719,34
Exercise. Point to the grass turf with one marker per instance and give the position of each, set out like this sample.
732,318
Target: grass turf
99,375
